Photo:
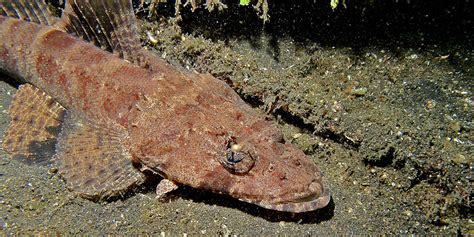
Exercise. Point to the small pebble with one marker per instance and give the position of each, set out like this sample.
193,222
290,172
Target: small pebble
460,159
430,104
151,38
455,126
297,135
359,91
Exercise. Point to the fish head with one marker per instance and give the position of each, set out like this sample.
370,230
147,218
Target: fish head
263,169
222,145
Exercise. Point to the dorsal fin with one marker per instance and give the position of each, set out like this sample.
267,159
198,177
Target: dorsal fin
28,10
110,25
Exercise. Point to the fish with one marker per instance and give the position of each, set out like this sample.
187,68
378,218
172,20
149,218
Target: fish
110,114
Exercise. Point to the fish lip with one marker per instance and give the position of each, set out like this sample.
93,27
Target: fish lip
318,202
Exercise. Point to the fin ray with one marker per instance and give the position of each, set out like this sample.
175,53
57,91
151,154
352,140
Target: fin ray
34,125
110,25
93,159
34,11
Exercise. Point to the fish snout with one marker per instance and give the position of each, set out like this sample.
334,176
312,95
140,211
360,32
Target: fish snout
318,197
291,182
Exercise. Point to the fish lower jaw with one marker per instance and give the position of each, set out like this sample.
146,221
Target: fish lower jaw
299,205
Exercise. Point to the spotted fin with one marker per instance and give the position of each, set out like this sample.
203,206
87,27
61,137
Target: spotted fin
35,120
28,10
109,24
164,187
94,160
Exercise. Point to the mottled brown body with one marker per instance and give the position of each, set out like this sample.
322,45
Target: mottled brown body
187,127
72,71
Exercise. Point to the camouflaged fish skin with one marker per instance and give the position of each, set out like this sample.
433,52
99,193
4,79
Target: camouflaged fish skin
189,128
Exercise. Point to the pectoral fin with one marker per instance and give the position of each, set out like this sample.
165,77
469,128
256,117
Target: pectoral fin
164,187
92,157
35,120
94,160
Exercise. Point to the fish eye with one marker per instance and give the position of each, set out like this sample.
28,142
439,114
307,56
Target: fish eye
236,159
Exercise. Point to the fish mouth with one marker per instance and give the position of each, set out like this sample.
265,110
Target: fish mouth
308,203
